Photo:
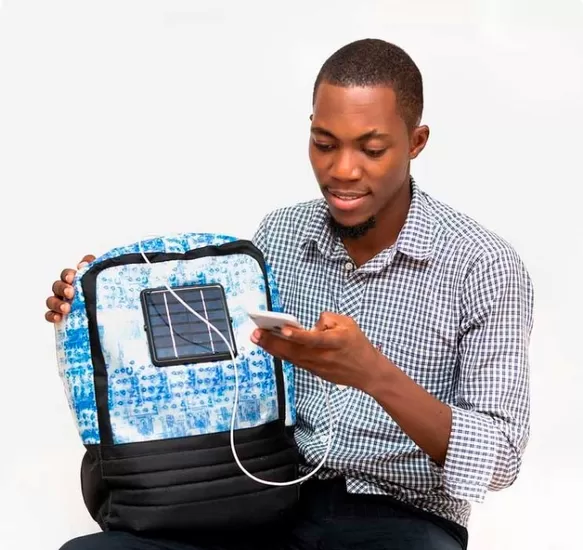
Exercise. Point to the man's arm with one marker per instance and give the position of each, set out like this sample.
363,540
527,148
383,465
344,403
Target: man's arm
260,236
425,419
476,443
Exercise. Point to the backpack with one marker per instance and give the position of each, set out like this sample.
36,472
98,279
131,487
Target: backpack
151,388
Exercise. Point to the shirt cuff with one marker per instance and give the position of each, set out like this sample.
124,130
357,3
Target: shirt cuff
471,456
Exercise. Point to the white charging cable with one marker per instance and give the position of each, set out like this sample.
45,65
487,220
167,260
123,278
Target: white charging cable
236,398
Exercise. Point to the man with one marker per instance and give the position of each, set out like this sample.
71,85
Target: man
422,313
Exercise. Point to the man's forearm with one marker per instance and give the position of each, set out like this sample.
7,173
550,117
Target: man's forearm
425,419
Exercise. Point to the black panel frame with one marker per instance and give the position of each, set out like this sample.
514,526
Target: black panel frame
188,359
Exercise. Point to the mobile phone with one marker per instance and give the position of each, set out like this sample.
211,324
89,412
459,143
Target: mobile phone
273,320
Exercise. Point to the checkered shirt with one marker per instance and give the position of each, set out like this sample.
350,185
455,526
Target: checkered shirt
451,305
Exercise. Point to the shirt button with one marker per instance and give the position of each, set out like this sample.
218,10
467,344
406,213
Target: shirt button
324,438
349,266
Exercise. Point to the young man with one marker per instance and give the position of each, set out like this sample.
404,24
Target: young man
422,313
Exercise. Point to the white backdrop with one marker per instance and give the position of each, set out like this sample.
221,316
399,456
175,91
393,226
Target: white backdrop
123,118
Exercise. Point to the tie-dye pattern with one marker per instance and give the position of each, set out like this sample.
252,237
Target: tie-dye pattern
152,403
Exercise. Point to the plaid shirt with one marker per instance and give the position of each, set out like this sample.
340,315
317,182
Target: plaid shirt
451,305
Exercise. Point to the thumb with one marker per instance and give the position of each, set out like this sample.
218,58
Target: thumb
327,321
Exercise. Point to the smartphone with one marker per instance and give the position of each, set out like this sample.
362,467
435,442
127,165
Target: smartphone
273,321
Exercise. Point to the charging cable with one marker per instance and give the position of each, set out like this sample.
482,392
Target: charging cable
236,398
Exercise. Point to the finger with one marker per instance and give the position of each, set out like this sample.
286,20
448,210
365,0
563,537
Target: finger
312,338
63,290
256,336
263,338
271,343
87,259
53,317
67,275
57,306
328,320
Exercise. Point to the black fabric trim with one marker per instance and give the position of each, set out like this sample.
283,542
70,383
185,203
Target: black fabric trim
89,285
191,483
235,514
198,443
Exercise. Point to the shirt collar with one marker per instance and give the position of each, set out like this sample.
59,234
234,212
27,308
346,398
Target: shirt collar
415,240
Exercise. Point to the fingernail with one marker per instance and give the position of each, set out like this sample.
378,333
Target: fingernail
286,332
68,292
82,265
64,308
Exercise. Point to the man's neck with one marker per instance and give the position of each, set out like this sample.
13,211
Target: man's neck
389,223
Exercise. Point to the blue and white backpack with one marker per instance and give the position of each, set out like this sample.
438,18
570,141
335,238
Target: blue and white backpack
152,387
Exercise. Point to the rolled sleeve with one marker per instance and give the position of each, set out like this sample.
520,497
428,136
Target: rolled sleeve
491,412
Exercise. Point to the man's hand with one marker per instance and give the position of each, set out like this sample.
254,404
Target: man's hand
335,349
63,292
338,351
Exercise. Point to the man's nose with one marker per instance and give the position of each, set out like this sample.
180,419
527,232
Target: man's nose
346,166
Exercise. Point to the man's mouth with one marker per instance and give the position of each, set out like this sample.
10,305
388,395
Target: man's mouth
346,201
345,195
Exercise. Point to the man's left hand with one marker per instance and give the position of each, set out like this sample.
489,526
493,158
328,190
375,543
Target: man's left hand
335,349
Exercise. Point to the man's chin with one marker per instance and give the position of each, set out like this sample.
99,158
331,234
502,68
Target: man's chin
352,230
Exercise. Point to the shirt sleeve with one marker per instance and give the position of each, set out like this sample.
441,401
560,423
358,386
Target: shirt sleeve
491,412
260,236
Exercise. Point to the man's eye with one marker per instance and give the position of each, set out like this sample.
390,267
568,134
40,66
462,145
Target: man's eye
325,147
375,153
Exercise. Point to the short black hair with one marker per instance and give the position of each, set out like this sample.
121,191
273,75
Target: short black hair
374,62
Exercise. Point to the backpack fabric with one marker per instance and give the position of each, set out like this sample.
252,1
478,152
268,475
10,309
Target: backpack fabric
151,387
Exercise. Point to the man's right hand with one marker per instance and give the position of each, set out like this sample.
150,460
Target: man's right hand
63,292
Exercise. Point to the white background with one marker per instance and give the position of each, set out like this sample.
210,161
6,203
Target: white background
124,118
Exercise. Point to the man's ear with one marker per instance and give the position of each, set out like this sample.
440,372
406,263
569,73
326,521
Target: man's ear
419,139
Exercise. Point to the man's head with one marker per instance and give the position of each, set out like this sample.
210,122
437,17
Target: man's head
367,106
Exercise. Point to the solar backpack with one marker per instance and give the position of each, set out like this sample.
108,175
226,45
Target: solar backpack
151,387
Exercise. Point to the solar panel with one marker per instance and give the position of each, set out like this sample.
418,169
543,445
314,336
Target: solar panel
176,336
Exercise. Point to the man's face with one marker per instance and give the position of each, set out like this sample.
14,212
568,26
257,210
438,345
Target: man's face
360,150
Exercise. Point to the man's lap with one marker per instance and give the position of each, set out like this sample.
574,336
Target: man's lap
117,540
329,519
394,535
380,534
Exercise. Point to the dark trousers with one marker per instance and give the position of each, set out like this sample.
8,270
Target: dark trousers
329,519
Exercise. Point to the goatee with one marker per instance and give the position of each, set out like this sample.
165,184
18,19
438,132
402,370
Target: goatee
352,231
